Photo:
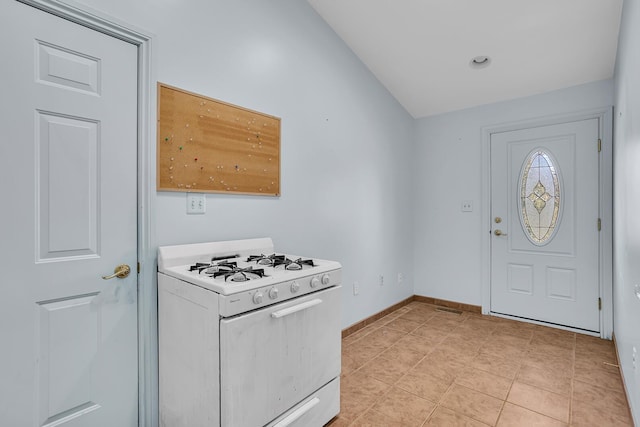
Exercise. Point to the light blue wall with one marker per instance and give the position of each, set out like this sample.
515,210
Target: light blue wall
627,200
362,182
448,169
345,147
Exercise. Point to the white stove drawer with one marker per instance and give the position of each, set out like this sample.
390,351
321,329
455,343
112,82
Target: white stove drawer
272,359
316,410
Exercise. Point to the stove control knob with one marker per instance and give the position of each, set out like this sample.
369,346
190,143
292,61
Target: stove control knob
295,287
257,298
314,282
325,279
273,293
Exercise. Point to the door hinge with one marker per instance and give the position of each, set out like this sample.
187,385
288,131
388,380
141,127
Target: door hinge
599,303
138,267
599,145
599,224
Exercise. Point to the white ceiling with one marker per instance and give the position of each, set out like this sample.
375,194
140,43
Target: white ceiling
421,49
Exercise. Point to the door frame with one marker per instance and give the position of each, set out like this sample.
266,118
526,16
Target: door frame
605,130
147,310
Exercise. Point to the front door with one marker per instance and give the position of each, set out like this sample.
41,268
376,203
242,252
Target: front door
545,233
68,171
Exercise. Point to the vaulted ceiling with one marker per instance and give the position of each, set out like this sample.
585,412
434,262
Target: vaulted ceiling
421,50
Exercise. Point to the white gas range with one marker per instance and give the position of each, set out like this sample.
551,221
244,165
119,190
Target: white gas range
247,337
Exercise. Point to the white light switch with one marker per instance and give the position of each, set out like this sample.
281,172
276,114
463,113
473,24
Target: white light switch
196,203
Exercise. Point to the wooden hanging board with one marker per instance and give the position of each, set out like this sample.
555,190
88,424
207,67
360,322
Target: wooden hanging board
209,146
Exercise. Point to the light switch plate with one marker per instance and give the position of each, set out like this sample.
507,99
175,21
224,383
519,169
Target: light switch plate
196,203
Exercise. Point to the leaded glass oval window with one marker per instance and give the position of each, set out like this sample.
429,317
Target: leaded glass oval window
540,196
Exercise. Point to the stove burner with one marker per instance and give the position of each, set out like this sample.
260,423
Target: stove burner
297,264
240,274
213,267
267,260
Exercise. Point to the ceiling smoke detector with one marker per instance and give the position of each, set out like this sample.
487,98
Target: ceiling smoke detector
481,61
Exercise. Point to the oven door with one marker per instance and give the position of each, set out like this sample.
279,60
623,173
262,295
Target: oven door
273,358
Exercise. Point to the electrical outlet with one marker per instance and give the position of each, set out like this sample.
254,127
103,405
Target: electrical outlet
356,288
381,280
196,203
467,206
400,278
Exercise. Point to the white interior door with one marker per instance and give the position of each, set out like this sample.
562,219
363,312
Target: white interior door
68,171
544,213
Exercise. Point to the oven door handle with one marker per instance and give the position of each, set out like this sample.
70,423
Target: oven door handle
294,309
298,413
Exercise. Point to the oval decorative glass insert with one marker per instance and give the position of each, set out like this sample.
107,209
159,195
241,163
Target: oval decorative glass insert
540,197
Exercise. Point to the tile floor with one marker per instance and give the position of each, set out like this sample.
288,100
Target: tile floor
421,367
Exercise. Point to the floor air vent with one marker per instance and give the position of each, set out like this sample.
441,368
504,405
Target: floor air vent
448,310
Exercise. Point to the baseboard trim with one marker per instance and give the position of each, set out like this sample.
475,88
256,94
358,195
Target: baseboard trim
419,298
451,304
624,384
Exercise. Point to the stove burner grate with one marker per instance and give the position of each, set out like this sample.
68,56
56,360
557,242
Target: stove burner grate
240,274
213,267
297,264
267,260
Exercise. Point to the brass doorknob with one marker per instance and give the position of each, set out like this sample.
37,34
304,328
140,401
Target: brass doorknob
499,233
120,272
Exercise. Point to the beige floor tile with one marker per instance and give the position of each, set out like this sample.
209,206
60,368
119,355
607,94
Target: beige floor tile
500,366
362,351
516,416
433,332
567,341
602,377
546,361
586,345
454,353
498,338
386,370
552,350
443,417
403,325
339,421
596,354
375,419
444,324
473,336
542,401
357,393
464,366
519,331
418,316
547,379
358,335
423,385
585,415
441,365
485,382
403,354
479,324
404,408
479,406
385,337
348,365
502,350
422,345
458,342
603,399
